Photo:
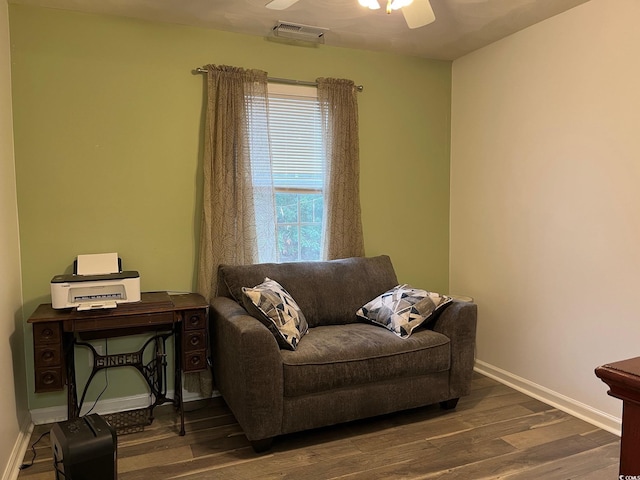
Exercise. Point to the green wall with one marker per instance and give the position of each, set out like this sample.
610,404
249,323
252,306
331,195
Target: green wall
108,139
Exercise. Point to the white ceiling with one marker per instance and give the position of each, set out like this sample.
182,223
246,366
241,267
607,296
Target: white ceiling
461,26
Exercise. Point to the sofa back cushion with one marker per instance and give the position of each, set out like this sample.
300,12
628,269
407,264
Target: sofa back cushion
328,293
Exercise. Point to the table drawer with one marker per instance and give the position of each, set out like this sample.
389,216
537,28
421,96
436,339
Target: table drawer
49,379
194,340
122,322
47,355
195,319
195,361
48,332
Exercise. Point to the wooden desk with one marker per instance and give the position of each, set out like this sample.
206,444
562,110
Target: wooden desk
57,332
623,379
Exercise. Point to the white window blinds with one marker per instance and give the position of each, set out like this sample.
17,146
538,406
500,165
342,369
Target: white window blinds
297,151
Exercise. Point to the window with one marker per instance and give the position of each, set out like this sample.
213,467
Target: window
298,158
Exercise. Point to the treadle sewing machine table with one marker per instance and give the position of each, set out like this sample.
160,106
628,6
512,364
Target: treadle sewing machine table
57,332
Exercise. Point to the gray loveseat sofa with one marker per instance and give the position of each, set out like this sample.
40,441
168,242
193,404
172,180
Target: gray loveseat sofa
344,368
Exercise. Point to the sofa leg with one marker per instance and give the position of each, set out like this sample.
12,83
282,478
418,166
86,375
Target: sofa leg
262,445
449,404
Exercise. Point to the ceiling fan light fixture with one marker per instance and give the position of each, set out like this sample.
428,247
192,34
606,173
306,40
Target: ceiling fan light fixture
372,4
398,4
418,14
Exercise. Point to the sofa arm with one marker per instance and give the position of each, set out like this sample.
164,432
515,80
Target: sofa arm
247,369
458,322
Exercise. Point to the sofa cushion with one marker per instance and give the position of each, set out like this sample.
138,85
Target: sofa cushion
403,308
329,293
336,356
276,308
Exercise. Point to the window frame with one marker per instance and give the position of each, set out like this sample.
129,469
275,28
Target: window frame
288,90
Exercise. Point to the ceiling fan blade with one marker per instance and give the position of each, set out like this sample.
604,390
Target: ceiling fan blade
280,4
418,14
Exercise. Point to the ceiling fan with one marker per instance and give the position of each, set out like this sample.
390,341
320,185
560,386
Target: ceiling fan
417,13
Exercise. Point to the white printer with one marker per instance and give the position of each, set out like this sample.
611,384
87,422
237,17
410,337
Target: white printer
97,282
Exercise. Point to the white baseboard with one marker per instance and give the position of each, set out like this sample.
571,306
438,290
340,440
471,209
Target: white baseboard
19,449
58,413
573,407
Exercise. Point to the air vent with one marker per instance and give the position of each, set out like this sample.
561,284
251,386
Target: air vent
297,31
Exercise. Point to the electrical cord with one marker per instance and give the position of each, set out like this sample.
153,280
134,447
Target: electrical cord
58,471
24,466
106,385
33,449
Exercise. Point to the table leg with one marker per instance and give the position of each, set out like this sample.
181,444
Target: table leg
629,459
177,348
70,362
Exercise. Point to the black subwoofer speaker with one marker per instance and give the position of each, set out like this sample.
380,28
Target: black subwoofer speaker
84,449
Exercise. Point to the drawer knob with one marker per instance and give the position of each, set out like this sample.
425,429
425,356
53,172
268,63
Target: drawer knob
47,355
194,340
48,379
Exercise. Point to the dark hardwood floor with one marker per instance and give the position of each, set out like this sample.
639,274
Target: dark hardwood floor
494,433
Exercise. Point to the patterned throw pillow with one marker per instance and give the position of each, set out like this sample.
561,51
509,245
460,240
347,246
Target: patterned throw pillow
403,308
270,303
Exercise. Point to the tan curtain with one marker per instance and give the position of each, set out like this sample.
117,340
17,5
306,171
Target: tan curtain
343,225
238,205
238,197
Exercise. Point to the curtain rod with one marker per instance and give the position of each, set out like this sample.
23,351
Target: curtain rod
287,81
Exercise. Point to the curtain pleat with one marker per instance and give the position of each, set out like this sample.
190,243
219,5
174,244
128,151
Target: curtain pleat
238,198
343,225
